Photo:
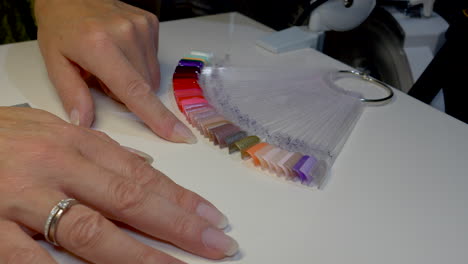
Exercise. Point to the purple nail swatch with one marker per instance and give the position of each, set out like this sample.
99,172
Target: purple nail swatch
304,167
191,63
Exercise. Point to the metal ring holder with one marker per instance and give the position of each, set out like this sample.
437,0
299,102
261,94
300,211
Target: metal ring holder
372,80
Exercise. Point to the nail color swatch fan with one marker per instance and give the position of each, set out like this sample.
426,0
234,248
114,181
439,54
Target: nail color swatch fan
291,122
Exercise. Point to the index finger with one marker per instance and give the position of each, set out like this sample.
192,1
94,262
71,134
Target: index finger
112,66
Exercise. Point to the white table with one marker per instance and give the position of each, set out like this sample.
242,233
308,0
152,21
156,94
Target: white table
397,193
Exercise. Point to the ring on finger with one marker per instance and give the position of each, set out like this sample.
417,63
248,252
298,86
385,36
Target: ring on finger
55,214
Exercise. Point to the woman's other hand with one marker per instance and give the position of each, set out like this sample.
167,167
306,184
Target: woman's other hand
115,42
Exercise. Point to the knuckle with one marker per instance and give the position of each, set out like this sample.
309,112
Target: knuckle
166,115
125,26
128,197
95,36
140,171
86,231
138,88
186,199
105,137
93,30
183,226
153,20
142,20
23,256
14,208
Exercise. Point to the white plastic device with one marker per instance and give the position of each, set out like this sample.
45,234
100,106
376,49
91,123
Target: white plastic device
332,15
293,38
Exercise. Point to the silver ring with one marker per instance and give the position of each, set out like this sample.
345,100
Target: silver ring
370,79
56,213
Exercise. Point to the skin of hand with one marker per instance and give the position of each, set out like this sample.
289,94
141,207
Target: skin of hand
115,42
44,159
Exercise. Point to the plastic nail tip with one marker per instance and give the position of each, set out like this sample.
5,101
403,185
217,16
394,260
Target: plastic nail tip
244,144
203,122
261,153
185,75
282,161
268,158
179,100
208,128
202,125
276,160
185,84
196,117
180,84
181,90
206,59
191,63
288,163
251,152
197,57
201,55
187,69
208,55
306,169
235,137
221,132
188,92
297,168
192,58
191,113
194,101
187,108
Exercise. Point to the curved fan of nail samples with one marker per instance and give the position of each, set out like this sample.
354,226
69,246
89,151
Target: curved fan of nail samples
302,117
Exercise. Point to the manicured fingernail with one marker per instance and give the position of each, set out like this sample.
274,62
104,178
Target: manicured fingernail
184,134
75,117
141,154
213,215
216,239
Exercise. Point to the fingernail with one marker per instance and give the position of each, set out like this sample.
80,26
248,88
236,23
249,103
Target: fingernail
213,215
216,239
141,154
184,133
75,117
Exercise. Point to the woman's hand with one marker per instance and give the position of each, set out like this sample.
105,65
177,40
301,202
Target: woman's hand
44,160
113,41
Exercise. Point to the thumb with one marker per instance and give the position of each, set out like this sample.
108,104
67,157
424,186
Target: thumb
67,78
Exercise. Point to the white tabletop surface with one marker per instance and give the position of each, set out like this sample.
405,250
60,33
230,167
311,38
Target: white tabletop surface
397,192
